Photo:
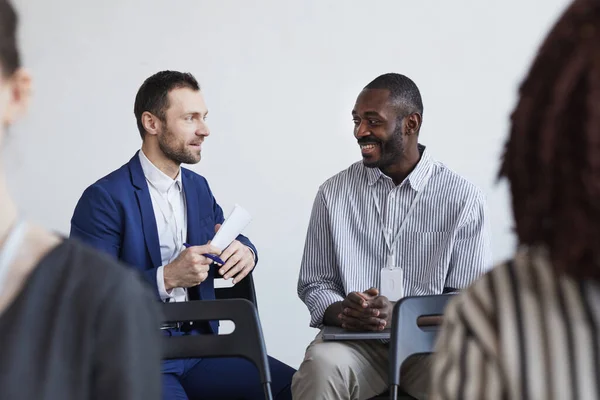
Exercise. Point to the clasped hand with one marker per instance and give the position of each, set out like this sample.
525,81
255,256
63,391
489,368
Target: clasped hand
366,311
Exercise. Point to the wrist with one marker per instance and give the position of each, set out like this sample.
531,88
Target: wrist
170,283
332,313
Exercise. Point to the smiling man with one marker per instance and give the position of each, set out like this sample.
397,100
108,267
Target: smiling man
158,217
395,224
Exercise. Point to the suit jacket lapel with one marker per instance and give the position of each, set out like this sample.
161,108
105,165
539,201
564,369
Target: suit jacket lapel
206,289
192,209
145,203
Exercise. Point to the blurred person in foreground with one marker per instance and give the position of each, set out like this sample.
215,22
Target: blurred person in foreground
529,328
61,302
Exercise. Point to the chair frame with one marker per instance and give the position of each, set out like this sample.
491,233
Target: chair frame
244,289
245,341
408,338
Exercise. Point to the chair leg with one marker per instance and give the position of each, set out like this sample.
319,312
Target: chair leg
394,392
267,390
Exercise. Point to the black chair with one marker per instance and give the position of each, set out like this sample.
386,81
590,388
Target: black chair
245,341
241,290
386,396
410,335
381,396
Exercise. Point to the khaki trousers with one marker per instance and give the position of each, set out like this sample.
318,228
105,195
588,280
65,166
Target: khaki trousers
354,370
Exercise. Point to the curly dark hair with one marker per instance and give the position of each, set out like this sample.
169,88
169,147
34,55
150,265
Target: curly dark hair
552,157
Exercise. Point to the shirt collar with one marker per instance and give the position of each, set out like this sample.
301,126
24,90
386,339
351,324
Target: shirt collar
416,178
161,181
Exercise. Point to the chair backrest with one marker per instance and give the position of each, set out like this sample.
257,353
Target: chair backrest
408,338
245,341
241,290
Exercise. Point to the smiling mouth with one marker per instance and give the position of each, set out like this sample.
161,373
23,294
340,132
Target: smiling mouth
368,146
368,149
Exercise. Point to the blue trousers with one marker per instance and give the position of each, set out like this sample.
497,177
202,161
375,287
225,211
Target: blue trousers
222,378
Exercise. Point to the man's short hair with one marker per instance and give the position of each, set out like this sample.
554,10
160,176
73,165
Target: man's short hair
402,91
153,95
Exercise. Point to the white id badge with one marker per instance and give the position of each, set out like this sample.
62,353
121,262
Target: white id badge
392,284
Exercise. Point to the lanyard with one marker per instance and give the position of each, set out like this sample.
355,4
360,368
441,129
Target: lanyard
389,241
9,251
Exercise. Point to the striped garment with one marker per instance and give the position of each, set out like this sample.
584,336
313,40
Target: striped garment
520,332
444,242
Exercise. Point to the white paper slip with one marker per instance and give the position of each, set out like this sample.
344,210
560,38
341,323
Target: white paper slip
233,225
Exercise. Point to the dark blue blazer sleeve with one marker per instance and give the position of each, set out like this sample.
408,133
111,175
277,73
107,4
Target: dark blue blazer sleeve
96,221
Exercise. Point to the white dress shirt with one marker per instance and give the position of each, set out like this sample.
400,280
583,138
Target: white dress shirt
168,202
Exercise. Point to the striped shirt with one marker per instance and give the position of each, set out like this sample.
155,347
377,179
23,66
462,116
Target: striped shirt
443,243
520,332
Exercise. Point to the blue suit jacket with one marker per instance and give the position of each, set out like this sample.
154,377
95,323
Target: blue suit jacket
115,215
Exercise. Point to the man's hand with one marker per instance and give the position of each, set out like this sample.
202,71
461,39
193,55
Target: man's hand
366,311
238,258
190,268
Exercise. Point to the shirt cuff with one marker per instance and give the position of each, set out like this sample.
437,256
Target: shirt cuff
319,304
160,282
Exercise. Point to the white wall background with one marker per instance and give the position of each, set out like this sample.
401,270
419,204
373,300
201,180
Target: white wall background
280,79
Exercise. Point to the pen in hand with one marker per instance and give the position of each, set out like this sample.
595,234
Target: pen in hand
213,257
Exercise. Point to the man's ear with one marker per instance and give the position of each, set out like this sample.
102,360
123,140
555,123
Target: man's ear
151,123
412,124
18,95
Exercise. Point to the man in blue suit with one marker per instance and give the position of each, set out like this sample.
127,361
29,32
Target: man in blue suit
143,214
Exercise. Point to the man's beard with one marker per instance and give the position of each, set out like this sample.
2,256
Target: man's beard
169,146
390,150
